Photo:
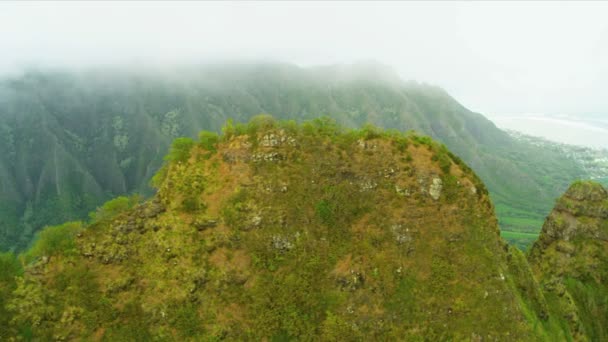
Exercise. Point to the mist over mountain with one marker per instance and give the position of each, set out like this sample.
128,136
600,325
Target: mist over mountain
580,130
471,49
75,139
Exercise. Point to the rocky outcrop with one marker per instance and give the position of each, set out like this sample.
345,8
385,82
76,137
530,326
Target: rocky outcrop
580,213
435,188
570,260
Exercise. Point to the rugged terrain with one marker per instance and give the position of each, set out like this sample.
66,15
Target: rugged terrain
570,260
279,231
71,140
521,231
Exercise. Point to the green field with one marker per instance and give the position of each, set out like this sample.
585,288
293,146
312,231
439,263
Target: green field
522,240
520,224
517,226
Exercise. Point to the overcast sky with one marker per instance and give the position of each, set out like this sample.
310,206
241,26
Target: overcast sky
495,58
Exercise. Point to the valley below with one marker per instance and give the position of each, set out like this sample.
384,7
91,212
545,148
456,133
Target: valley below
521,228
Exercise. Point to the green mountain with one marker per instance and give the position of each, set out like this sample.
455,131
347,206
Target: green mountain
278,231
283,231
72,140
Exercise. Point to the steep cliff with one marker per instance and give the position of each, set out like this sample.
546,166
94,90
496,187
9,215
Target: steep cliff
570,260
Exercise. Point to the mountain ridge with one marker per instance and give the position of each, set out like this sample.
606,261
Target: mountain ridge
276,230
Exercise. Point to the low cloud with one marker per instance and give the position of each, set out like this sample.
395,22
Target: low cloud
499,58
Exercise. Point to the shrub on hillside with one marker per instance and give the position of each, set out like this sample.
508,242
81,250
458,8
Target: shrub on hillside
54,240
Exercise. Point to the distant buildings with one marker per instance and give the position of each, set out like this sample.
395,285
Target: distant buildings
593,160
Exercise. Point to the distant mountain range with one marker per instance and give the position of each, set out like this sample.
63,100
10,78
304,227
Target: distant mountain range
71,140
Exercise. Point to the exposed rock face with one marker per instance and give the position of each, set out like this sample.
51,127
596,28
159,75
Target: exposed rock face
586,192
580,214
277,139
570,260
435,188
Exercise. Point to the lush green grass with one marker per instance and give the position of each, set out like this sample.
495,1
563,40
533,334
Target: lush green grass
519,227
520,224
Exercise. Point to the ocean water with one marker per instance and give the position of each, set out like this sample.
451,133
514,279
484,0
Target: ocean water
590,132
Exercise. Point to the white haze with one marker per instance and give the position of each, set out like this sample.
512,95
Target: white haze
494,57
